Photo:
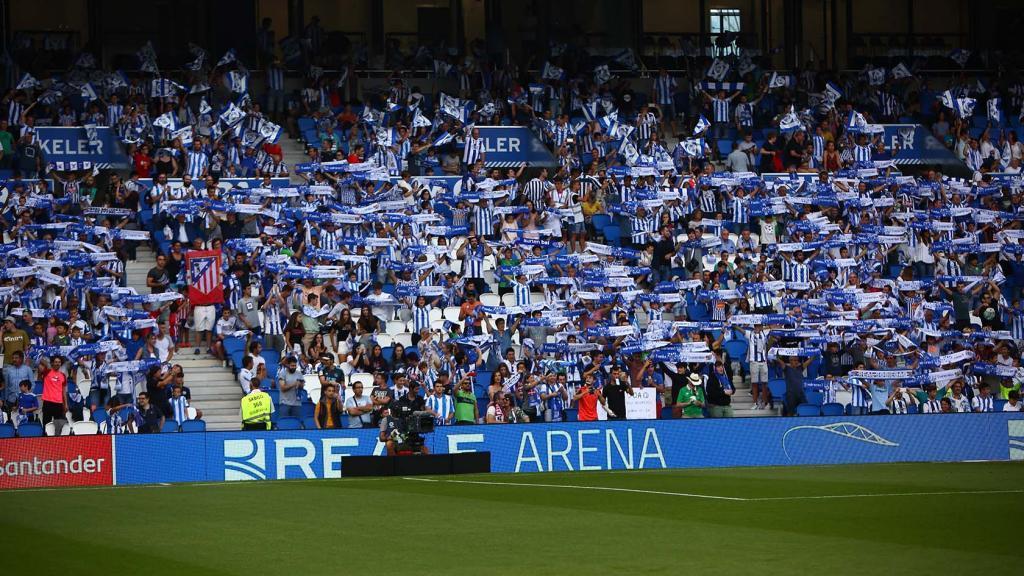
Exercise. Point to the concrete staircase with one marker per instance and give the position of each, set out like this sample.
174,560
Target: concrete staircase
214,389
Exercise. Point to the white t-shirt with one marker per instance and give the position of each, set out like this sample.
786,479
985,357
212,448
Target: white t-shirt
353,402
245,379
163,347
1019,407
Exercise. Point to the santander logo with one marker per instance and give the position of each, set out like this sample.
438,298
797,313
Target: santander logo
56,462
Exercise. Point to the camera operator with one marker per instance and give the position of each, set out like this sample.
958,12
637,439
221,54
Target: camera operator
394,424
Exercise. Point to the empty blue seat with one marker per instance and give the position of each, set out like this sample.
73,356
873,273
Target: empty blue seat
808,410
613,235
814,397
30,430
169,426
193,426
309,423
307,409
289,424
832,409
777,388
275,395
6,431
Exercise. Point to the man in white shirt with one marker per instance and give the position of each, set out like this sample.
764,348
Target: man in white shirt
359,408
245,374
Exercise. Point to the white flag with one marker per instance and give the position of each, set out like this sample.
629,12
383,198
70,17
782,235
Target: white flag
994,114
719,69
27,82
552,72
227,58
232,115
165,120
876,76
702,125
900,71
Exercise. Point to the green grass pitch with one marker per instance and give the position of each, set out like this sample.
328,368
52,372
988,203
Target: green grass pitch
959,518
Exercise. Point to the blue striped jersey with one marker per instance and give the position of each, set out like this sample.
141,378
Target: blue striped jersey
179,407
275,78
861,153
757,346
421,318
197,163
474,150
443,405
720,110
483,220
664,89
521,292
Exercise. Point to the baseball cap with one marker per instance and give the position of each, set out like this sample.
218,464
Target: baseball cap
9,319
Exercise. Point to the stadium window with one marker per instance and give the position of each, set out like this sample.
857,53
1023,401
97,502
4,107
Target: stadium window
724,20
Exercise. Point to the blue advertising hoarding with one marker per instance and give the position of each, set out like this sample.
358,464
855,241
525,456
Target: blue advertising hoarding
621,445
66,145
510,146
914,144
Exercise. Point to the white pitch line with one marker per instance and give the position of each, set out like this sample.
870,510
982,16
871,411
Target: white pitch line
884,495
602,488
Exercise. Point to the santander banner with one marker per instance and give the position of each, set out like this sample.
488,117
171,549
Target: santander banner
56,462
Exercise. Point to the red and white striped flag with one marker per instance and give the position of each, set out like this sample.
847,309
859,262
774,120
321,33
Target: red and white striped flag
205,278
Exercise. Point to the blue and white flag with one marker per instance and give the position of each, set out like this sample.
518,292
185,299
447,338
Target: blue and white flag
183,134
947,99
443,139
855,122
441,68
693,147
790,122
964,107
117,79
199,88
91,134
627,58
552,72
85,60
197,63
727,86
832,92
960,56
718,70
204,107
453,107
994,114
609,124
900,71
227,58
232,115
780,81
590,111
701,126
147,58
876,76
27,82
745,65
88,92
238,82
269,131
166,121
420,121
162,88
602,74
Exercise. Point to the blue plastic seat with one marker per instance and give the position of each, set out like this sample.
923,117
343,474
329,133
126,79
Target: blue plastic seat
30,430
193,426
808,410
777,388
169,426
814,397
307,409
613,235
737,349
289,424
275,395
6,431
601,221
832,409
309,423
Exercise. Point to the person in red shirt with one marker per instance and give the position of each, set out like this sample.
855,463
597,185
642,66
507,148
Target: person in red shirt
356,156
55,392
142,163
587,398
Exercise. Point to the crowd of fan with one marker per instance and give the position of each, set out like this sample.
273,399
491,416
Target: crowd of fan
629,264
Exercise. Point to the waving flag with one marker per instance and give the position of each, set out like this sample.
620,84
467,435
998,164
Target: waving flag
876,76
627,58
205,281
443,139
117,79
964,107
91,135
609,123
232,115
602,74
780,81
420,121
85,60
994,114
227,58
900,71
184,135
199,88
166,121
27,82
590,111
702,125
204,107
147,58
88,92
552,72
832,92
718,70
693,147
238,82
790,122
162,88
960,56
745,65
855,123
947,99
269,131
441,68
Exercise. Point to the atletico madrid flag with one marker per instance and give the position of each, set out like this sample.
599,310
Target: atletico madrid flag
205,278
